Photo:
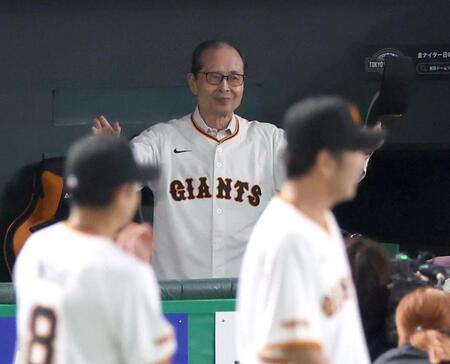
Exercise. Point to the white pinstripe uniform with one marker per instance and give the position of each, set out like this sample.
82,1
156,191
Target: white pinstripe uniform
81,299
296,291
210,192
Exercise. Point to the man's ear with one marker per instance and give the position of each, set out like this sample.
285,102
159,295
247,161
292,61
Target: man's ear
123,190
118,192
326,163
192,82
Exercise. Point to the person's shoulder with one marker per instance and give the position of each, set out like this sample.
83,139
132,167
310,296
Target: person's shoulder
281,245
281,214
120,274
405,354
161,131
387,357
281,225
46,235
41,245
134,266
168,126
120,261
262,132
136,274
58,227
261,126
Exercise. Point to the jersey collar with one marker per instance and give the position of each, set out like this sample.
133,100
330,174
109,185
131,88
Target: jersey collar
218,136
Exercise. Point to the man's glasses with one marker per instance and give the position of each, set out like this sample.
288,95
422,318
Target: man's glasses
216,78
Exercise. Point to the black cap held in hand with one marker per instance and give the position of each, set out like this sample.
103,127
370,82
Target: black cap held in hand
393,96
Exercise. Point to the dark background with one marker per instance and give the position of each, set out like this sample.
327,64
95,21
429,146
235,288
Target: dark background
104,50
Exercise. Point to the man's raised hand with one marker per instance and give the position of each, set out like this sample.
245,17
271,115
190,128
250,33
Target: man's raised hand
101,126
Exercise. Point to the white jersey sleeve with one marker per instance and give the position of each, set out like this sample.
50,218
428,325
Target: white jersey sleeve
145,147
279,149
144,334
290,315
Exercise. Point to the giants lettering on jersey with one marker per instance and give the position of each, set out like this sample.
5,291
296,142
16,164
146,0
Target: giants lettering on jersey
339,294
227,189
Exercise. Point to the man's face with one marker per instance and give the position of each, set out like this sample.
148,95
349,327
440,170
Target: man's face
347,175
218,100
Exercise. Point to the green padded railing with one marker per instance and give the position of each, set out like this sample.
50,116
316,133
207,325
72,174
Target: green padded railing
194,289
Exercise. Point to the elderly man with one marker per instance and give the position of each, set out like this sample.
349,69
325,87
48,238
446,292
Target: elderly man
218,171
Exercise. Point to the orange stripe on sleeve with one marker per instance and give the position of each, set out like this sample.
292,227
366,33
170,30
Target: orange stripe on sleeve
271,353
163,339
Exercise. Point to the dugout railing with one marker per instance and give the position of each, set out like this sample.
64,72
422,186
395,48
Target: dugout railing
189,305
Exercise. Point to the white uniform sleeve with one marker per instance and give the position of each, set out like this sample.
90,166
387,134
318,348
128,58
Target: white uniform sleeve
145,147
145,336
292,300
279,168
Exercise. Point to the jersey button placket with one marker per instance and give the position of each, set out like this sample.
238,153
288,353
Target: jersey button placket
218,229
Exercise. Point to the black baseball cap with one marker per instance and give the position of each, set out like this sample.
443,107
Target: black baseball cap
328,122
97,164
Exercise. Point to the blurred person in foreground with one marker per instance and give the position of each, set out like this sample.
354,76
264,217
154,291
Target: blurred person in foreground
80,297
296,300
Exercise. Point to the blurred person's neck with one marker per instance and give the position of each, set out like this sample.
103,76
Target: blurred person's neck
98,221
310,196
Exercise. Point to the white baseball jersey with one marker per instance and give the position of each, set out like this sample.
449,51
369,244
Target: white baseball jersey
210,192
81,299
295,290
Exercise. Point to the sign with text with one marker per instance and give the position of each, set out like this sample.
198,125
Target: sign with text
430,61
